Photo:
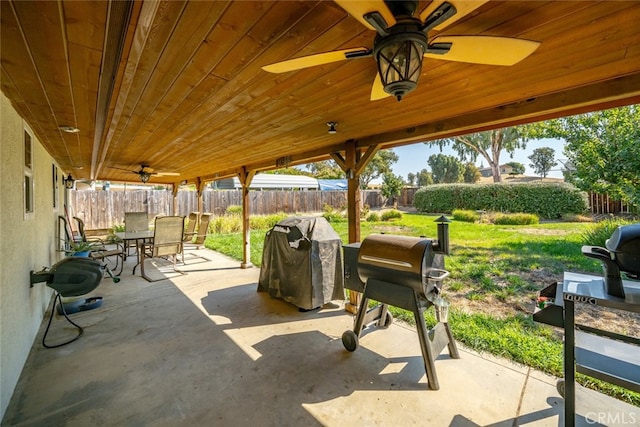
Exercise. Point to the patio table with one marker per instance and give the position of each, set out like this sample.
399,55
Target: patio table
138,236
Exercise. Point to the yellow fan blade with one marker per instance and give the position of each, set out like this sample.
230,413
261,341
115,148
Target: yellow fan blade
463,8
488,50
311,60
377,90
358,9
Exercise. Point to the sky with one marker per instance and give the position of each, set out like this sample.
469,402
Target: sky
413,158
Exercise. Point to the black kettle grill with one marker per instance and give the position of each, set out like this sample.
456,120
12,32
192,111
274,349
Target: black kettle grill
70,277
622,254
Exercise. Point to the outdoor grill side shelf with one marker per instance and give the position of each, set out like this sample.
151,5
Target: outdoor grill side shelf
600,354
550,310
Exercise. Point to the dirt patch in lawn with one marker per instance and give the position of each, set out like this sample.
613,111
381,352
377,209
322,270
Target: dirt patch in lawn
540,231
390,229
523,302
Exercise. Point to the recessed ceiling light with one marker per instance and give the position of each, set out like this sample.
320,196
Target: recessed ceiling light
69,129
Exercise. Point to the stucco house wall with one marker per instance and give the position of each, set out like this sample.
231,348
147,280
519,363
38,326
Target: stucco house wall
27,242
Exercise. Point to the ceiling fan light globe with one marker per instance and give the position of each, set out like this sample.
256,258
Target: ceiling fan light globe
399,57
144,177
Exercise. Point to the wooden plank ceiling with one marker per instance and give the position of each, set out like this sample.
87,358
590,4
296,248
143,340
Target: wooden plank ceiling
178,85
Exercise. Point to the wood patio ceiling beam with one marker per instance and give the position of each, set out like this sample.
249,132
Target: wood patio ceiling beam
613,93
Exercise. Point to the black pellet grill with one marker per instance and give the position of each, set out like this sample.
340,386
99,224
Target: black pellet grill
404,272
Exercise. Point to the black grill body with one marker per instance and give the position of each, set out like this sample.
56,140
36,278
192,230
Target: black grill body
624,247
622,254
70,277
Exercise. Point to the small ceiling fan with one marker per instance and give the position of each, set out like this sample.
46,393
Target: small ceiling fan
145,172
402,41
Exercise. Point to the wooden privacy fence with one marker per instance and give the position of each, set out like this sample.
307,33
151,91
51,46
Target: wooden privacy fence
269,202
104,209
603,204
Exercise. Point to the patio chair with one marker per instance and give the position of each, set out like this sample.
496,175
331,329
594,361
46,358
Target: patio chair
136,221
167,241
133,223
192,243
191,226
202,233
103,253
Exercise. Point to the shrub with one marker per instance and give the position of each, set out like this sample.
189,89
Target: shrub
516,219
547,200
390,214
332,215
266,222
226,224
233,223
373,217
365,211
465,215
598,233
576,218
234,210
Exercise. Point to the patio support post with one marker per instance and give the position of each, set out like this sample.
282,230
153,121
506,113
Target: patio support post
174,193
199,190
353,164
245,177
352,155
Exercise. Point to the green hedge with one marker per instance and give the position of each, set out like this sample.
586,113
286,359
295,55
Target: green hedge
465,215
545,199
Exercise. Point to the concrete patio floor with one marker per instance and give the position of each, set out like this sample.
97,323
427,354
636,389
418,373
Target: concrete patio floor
205,348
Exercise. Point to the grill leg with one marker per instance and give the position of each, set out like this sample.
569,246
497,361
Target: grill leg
362,312
427,351
453,348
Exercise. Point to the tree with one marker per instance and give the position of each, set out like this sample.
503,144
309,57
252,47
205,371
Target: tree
517,168
488,144
424,178
327,169
542,160
445,168
379,165
602,148
411,178
471,173
289,171
391,186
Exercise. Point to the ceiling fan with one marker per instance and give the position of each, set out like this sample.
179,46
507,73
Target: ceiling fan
402,41
145,172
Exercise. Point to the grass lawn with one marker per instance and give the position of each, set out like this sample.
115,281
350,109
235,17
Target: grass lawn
496,272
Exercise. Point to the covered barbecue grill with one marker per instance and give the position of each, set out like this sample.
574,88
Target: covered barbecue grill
405,272
302,263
